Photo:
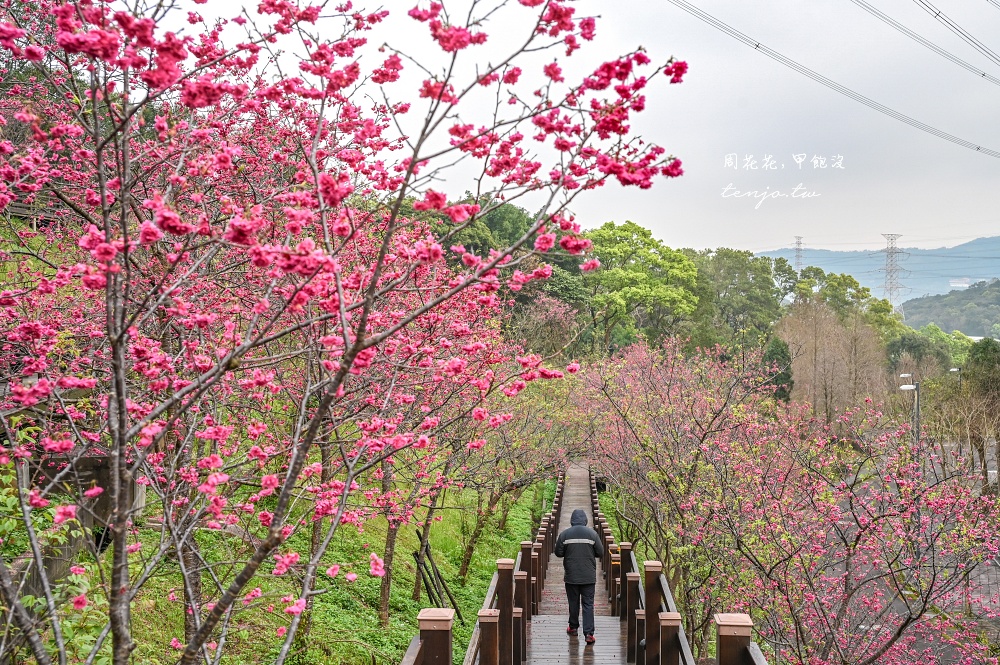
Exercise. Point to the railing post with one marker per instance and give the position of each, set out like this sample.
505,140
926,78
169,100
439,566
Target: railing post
625,556
608,542
521,592
529,593
536,578
640,631
519,653
670,646
613,583
732,635
543,556
538,547
489,637
653,600
526,555
631,612
435,632
505,603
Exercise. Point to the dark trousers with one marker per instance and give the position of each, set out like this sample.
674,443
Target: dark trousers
574,592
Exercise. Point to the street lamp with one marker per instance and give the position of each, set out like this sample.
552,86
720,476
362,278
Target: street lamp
915,387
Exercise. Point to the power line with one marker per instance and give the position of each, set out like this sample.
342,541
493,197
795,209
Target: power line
833,85
958,30
926,42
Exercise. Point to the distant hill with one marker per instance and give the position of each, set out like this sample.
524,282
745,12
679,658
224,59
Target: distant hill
975,310
926,271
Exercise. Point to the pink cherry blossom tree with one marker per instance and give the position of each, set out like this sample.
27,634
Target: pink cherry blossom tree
213,289
850,542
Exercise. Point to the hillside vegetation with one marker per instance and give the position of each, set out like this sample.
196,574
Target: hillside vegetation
975,311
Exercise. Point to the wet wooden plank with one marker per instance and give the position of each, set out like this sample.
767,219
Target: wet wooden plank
548,643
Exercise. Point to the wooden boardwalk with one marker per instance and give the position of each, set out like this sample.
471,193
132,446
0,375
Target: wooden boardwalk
548,643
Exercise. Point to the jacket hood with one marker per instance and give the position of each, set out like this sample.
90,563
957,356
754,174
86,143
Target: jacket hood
579,518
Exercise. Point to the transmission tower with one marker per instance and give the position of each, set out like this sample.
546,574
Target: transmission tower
798,253
892,289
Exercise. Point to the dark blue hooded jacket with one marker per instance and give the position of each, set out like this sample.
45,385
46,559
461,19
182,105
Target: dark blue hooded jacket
580,547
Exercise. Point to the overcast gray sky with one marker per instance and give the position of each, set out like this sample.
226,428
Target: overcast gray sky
896,179
736,101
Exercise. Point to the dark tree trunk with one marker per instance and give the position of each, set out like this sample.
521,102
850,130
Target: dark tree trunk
192,585
390,553
481,520
508,503
391,535
326,475
425,535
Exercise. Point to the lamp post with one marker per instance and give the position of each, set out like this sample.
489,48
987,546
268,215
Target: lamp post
915,387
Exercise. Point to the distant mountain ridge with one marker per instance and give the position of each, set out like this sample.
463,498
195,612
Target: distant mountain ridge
925,271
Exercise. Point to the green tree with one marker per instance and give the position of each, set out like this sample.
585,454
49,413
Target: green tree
739,296
882,316
982,370
778,356
930,355
507,223
640,278
958,344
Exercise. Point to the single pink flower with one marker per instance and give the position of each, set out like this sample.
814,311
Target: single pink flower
377,565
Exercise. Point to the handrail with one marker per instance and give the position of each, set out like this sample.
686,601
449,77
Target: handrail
733,643
668,605
490,601
472,652
414,653
756,655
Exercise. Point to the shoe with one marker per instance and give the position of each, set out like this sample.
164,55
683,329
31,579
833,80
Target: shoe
591,639
571,631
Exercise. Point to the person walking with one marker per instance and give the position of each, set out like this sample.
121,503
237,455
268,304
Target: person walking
579,547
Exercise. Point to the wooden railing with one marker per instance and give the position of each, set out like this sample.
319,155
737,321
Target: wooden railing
515,592
433,645
655,633
500,634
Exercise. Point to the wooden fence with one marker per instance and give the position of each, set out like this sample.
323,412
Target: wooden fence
655,634
500,634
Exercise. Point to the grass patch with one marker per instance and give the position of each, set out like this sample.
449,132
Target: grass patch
344,620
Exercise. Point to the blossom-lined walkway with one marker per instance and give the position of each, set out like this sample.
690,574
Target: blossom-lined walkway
548,643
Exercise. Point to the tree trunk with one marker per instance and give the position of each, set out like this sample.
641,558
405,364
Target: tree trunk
481,519
507,505
392,532
425,535
192,585
390,552
326,475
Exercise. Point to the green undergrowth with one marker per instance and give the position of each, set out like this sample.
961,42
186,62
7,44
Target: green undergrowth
344,625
